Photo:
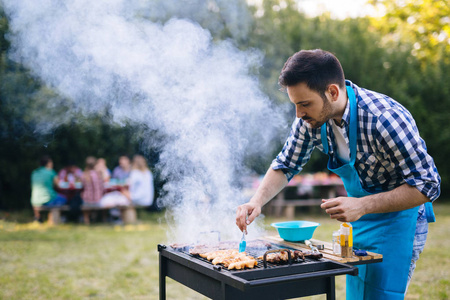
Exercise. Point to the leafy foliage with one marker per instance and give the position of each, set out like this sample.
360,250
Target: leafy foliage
404,54
425,24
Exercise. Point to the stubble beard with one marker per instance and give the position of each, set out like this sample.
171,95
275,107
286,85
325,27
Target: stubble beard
324,116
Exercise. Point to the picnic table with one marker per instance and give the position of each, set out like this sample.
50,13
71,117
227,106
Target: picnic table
70,190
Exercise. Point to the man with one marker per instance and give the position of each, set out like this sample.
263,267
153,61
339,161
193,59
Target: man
122,171
374,145
43,180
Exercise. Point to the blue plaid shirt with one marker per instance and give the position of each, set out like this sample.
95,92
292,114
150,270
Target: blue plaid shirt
390,151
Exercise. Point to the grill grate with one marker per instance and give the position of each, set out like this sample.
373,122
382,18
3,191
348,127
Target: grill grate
256,253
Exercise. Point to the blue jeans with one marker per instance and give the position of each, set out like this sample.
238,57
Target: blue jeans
420,238
58,200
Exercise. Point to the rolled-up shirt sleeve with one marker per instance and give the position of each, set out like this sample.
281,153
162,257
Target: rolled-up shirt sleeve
401,144
296,151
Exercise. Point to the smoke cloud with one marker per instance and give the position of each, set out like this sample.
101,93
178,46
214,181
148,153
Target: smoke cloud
168,75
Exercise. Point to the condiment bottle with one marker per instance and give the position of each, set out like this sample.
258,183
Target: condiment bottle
336,243
346,234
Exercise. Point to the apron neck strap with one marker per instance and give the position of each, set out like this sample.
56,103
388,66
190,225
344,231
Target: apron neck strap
352,126
353,122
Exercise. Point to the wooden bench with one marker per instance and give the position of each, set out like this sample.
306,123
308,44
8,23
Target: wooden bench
127,212
54,212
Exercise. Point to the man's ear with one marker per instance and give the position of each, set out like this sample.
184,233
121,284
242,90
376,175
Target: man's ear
333,91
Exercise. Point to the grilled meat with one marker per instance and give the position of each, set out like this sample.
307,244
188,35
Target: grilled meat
248,262
282,257
312,255
219,253
201,249
224,259
230,258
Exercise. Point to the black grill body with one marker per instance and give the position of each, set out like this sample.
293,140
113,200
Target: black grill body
302,278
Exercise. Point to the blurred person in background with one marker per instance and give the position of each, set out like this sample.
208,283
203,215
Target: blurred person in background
43,182
122,171
70,173
92,187
70,178
141,189
102,168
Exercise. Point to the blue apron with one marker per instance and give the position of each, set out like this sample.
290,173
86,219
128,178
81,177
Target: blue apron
391,234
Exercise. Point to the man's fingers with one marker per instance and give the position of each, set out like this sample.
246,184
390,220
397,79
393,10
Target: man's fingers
328,203
250,218
242,226
241,215
246,214
334,210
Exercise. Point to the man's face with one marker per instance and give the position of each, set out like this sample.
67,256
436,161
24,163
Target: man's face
124,162
309,105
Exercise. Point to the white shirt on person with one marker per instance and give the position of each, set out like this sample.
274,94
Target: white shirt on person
343,151
141,187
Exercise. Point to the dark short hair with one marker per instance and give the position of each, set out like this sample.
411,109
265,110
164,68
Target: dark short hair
90,162
43,161
317,68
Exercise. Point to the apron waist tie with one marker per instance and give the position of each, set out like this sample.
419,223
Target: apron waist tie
429,212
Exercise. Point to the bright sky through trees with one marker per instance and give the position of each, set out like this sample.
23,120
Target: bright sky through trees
338,9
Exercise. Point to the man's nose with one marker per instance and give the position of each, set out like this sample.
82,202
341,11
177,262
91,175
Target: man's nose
299,112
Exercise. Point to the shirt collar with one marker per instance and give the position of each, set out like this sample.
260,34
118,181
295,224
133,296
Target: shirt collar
346,116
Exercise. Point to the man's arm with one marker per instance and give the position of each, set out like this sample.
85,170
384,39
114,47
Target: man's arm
274,181
55,181
348,209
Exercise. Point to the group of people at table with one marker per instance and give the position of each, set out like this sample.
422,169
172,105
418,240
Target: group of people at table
130,183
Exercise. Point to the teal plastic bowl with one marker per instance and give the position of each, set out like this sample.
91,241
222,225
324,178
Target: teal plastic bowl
295,231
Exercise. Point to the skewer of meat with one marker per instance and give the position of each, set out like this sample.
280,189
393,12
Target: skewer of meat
312,254
282,256
231,259
248,262
232,255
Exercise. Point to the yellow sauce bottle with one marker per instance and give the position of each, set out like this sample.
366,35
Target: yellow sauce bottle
346,239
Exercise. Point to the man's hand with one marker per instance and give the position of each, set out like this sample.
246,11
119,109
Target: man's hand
348,209
250,209
344,209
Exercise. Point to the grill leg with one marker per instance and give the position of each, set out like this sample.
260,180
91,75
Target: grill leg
331,293
162,278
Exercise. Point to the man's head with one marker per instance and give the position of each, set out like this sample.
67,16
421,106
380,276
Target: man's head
316,68
314,81
139,162
46,161
90,163
124,162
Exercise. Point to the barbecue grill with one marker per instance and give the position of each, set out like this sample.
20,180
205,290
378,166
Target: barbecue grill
265,281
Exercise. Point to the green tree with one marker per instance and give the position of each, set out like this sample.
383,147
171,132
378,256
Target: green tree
425,24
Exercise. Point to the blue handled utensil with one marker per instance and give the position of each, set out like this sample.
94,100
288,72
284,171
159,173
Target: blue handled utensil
243,243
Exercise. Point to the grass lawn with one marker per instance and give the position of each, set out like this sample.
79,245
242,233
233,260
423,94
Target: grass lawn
121,262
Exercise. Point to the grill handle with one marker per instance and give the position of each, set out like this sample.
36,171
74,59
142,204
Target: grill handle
350,270
276,250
